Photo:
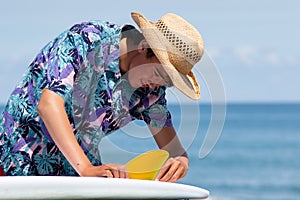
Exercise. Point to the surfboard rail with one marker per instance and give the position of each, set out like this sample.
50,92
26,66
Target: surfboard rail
58,187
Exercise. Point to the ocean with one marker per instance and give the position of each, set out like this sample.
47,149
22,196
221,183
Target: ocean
255,157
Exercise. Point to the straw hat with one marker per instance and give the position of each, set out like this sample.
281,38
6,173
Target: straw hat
178,46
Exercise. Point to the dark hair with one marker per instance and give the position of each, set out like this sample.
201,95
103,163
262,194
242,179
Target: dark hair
130,32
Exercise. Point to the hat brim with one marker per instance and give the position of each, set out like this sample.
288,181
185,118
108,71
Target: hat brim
187,84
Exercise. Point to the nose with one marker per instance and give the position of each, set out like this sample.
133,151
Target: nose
153,85
154,82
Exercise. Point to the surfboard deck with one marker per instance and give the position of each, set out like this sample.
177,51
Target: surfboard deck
57,187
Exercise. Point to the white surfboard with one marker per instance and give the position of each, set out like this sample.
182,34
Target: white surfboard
57,187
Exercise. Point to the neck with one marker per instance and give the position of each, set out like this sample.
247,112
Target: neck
127,52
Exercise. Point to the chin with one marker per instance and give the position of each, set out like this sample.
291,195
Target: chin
133,84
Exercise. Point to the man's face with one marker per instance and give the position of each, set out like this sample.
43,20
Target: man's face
146,72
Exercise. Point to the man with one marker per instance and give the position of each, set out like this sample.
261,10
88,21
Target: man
86,83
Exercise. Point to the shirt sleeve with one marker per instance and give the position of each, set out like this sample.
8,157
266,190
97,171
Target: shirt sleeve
158,115
63,59
73,50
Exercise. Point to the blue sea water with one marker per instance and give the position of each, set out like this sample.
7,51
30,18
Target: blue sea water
256,156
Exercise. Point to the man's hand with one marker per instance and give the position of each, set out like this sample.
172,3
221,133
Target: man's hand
107,170
174,169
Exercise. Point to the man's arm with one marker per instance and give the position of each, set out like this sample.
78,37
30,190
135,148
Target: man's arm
51,110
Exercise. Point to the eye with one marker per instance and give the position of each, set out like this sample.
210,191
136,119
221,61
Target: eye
156,73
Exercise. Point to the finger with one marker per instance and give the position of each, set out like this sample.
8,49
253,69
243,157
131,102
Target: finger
126,172
115,173
178,174
122,172
184,172
184,169
109,174
167,176
163,171
170,173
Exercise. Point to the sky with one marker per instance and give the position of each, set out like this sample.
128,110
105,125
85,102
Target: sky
251,47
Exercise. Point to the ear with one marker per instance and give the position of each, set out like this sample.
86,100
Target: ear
142,46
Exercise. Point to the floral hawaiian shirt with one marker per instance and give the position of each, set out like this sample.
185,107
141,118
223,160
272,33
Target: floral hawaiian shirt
82,66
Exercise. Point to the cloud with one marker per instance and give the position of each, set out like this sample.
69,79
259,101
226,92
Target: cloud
253,56
247,54
272,59
279,59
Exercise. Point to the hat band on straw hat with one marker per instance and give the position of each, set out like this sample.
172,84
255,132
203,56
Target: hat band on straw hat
186,57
